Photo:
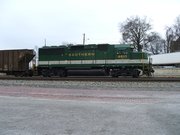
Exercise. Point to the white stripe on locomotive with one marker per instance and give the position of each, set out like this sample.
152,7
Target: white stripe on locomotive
116,61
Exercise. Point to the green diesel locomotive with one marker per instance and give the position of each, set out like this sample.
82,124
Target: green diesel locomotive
115,60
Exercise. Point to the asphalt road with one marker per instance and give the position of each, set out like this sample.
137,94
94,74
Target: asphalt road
36,111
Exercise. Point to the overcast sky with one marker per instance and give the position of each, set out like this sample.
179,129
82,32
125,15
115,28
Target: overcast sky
26,23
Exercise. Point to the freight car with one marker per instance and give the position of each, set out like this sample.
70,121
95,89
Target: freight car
16,62
115,60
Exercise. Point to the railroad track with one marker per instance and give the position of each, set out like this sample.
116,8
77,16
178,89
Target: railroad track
94,78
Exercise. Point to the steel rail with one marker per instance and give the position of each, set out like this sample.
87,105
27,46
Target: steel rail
95,78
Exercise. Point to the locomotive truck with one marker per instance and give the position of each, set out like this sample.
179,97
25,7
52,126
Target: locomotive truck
114,60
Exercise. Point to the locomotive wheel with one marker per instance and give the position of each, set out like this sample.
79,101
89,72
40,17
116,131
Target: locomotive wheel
148,74
62,73
107,72
115,76
46,73
135,73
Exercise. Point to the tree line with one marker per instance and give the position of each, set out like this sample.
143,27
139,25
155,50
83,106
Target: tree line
138,31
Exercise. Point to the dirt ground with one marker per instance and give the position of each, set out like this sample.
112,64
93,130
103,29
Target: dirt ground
59,111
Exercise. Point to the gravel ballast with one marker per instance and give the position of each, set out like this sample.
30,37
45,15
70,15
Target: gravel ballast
93,85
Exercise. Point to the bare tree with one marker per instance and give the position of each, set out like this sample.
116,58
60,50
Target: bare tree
176,28
169,37
172,34
150,39
154,43
137,31
157,46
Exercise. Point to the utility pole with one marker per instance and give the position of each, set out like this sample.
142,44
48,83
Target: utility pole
84,38
45,42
